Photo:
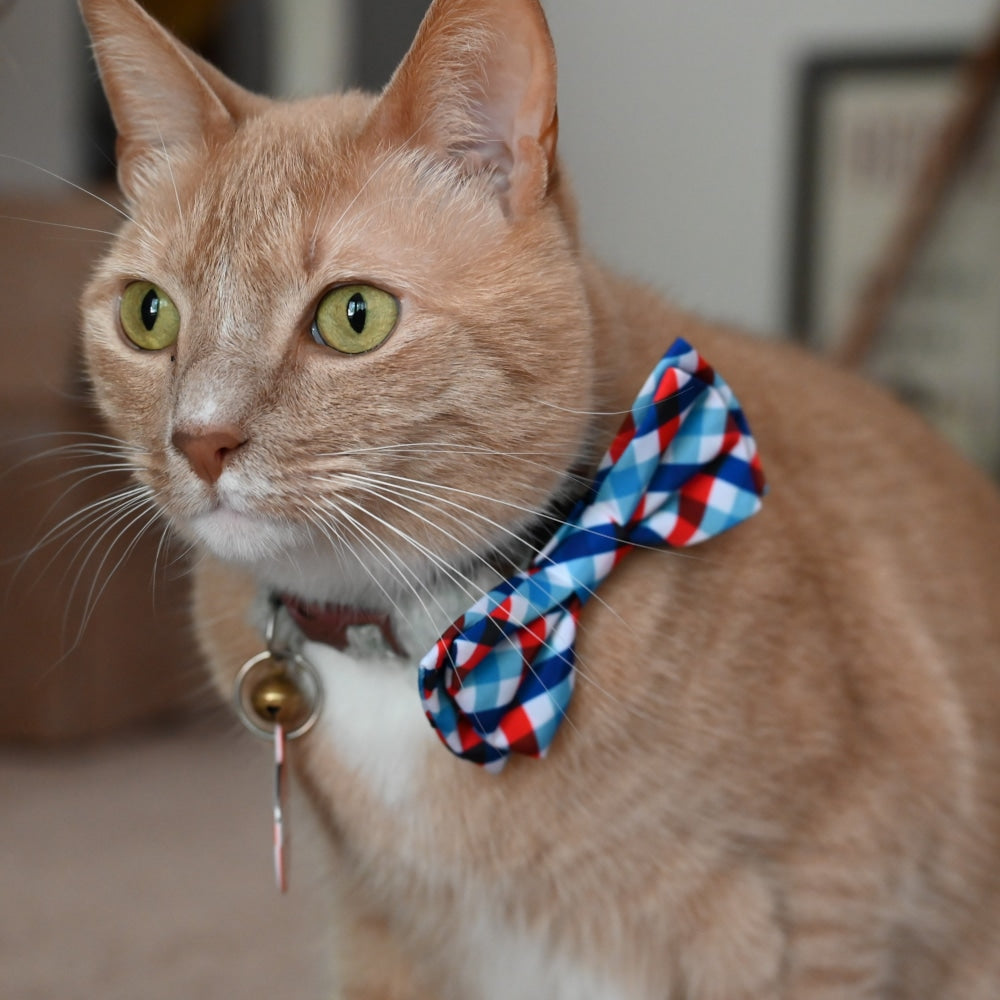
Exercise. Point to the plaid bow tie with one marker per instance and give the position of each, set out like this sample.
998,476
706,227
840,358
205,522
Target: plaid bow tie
683,468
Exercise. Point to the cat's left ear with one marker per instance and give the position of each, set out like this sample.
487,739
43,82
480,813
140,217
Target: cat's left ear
479,83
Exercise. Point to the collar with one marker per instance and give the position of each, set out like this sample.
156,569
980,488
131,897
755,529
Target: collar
329,623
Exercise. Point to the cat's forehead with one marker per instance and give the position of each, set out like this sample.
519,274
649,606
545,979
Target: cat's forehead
277,172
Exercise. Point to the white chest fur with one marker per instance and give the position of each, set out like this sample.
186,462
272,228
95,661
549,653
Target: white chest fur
373,720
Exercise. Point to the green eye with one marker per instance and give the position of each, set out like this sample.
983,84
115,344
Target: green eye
150,320
355,318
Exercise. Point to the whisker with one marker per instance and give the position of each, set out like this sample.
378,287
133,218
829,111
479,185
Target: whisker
442,447
170,172
396,565
579,666
83,190
107,522
58,225
65,525
428,499
458,579
389,561
94,470
162,550
86,522
102,470
414,586
582,668
95,592
389,158
686,388
358,531
679,553
93,523
93,445
130,514
94,508
387,497
582,413
85,435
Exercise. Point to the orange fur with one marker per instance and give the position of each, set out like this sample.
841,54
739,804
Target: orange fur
780,776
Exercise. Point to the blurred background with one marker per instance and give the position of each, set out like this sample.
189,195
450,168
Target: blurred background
679,120
761,161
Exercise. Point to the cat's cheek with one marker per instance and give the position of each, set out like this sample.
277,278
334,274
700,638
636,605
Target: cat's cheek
130,386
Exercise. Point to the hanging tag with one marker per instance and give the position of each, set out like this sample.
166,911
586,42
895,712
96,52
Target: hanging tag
278,697
280,876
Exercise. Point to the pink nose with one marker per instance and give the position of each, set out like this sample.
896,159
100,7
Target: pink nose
208,448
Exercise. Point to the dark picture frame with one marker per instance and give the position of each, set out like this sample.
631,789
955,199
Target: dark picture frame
865,123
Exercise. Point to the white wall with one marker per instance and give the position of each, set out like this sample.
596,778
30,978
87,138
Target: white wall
677,121
41,53
312,46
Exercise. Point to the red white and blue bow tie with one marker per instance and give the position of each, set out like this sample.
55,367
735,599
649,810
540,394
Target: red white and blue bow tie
683,467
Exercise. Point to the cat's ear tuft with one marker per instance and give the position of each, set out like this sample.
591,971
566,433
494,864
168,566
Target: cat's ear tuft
165,100
479,83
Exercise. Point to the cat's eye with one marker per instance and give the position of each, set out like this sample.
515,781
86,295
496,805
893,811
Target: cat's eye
148,317
355,318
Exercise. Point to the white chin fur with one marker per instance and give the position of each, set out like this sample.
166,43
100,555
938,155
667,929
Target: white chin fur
240,538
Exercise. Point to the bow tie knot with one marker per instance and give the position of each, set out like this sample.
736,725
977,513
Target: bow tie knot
683,467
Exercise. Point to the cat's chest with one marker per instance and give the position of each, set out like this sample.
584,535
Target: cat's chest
373,729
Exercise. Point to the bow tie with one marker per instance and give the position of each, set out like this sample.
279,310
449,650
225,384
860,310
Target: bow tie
683,467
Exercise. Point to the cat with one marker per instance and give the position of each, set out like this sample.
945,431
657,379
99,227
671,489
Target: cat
779,775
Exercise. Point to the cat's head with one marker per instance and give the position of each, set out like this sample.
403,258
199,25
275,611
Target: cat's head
346,328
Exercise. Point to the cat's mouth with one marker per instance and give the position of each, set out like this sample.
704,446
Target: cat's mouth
236,518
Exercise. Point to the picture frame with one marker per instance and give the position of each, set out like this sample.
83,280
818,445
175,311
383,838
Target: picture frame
866,122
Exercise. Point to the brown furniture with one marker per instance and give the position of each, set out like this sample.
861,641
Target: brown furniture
85,650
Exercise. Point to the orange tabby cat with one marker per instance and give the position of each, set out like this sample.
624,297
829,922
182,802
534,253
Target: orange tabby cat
780,773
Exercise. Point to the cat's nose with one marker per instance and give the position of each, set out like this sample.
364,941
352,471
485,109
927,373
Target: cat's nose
208,448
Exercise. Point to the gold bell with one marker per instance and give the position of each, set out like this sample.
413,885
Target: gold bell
272,690
276,698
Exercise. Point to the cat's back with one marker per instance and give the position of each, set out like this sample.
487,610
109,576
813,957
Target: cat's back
864,488
844,643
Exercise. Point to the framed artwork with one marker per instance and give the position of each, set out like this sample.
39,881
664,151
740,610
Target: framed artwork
866,124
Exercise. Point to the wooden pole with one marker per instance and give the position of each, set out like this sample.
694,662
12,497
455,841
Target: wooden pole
956,139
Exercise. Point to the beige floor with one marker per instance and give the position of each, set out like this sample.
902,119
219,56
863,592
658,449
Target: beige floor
138,869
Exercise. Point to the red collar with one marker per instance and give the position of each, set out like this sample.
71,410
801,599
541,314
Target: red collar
328,623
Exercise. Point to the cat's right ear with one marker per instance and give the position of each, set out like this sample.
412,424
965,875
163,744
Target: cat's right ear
165,100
